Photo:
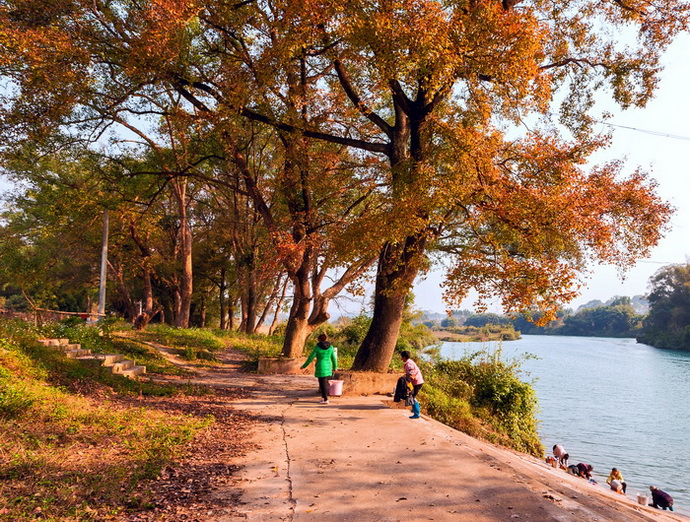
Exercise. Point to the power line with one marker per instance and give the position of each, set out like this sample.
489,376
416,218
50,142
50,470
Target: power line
645,131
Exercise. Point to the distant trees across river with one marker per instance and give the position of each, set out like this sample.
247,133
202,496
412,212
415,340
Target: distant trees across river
660,319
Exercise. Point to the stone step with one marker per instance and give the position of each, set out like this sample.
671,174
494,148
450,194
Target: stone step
77,352
112,358
115,361
134,371
120,367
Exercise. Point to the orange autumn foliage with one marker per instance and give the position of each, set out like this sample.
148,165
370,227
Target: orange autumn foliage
457,96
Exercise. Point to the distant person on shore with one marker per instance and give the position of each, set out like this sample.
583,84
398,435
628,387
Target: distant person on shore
414,375
326,363
581,470
562,456
616,481
661,499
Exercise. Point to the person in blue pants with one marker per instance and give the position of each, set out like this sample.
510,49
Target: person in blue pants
414,376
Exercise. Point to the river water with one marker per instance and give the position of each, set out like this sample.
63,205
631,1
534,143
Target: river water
611,403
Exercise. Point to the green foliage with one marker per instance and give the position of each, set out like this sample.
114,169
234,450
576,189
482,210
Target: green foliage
489,332
480,320
197,338
668,322
616,320
14,400
355,330
483,396
449,322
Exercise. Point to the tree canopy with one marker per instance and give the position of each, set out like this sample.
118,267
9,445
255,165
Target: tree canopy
437,119
668,323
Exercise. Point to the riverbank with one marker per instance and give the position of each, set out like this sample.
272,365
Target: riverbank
359,459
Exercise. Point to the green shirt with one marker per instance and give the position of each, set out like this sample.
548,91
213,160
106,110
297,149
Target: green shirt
326,361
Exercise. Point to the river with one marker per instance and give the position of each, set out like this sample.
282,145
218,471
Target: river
611,403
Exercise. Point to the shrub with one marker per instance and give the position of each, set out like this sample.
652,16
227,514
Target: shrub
482,395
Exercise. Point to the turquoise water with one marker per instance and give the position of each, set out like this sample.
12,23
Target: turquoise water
611,403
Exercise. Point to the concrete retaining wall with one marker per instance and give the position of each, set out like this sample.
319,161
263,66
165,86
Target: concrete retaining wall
284,365
367,383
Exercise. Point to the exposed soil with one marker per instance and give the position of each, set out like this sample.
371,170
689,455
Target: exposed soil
187,491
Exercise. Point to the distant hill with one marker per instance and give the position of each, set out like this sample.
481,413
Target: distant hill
639,304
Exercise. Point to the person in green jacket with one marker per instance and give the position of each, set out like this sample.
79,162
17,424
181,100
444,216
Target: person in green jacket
326,362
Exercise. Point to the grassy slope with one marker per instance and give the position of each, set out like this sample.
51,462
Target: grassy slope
66,456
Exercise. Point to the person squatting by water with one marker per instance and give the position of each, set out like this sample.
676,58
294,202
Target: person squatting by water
414,376
562,456
581,470
616,481
326,363
661,499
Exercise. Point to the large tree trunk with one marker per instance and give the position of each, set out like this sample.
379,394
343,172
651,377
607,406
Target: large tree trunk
298,328
399,262
398,267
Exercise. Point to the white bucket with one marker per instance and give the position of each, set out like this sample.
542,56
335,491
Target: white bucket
642,499
335,388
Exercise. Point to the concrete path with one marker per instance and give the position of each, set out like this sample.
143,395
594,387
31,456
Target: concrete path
359,459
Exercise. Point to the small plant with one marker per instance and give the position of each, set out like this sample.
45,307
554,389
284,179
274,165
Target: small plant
14,401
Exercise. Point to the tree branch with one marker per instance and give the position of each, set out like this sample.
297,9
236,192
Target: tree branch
356,100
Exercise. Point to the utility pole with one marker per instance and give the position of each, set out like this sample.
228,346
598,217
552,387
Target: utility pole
104,267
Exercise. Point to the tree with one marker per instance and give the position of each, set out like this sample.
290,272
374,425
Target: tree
668,322
479,320
615,320
448,322
440,90
49,246
521,217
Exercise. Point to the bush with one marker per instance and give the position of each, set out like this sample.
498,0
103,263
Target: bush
483,396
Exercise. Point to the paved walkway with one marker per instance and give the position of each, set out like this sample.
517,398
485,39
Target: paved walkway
359,459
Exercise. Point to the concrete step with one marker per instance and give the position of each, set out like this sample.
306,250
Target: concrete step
112,358
134,371
115,361
120,367
78,352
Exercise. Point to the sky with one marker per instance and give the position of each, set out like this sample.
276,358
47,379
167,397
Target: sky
657,139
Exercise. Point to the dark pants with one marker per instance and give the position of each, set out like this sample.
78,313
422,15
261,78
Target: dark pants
416,388
324,387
